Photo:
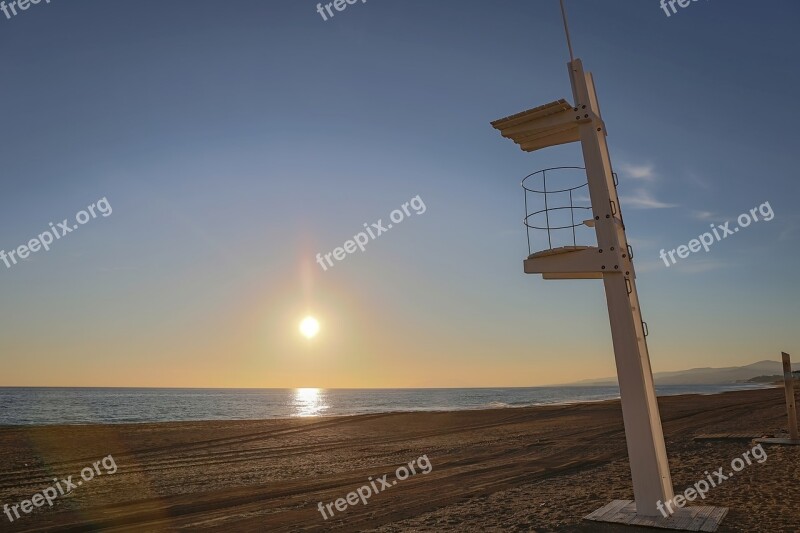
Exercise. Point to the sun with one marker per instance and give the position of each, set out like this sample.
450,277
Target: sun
309,327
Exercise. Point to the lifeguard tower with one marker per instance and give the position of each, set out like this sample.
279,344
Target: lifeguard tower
610,259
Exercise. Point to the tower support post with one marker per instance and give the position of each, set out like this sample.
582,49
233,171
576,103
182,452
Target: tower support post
652,483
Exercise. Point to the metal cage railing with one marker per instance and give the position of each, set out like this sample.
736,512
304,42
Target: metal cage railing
558,216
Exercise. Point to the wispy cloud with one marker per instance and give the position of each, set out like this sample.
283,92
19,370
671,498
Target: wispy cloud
704,215
698,266
638,172
789,230
643,199
697,180
695,266
643,266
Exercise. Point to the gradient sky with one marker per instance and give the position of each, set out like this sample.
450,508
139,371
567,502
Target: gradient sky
236,140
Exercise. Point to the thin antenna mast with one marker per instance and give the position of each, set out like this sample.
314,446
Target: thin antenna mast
566,30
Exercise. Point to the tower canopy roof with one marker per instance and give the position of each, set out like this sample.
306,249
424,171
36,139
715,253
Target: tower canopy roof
547,125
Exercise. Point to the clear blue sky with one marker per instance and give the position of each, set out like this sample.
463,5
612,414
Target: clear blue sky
236,140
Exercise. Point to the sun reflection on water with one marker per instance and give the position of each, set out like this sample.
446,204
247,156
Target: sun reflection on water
309,402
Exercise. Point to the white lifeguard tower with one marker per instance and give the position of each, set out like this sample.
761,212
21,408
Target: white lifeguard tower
559,123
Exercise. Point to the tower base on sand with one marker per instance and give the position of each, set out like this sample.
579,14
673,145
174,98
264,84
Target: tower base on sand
696,518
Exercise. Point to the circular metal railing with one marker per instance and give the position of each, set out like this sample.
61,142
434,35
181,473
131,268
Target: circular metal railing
560,207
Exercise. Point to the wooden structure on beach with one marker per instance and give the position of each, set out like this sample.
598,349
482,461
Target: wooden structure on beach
560,123
791,407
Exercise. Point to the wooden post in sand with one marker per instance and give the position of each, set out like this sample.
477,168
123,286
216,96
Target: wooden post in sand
788,379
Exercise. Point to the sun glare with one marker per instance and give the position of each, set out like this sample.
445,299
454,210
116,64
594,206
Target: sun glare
309,402
309,327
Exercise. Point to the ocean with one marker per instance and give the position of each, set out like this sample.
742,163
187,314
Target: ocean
36,406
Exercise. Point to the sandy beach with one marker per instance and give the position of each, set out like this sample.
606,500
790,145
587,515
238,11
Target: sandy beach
526,469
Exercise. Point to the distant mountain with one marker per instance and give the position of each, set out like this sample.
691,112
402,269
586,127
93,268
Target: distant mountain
706,376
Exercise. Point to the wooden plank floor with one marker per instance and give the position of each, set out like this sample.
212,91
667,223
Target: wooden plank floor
728,436
694,518
784,442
